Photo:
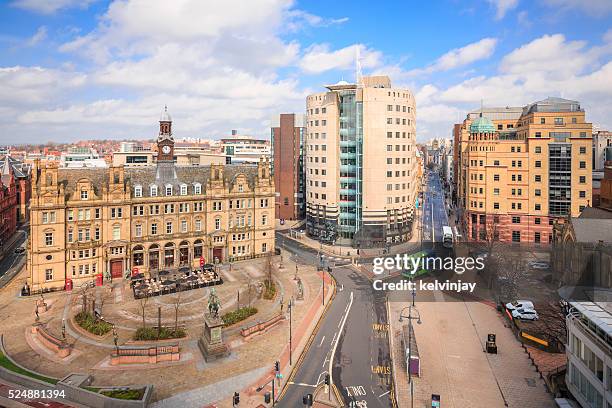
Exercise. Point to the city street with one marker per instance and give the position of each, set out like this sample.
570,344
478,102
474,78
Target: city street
11,263
434,209
353,336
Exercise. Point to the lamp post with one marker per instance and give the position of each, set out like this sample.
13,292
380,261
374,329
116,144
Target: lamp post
410,318
290,306
116,339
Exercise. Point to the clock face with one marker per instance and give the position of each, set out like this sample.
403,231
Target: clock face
166,149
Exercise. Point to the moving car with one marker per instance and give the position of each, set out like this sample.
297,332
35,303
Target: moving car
525,314
520,304
19,250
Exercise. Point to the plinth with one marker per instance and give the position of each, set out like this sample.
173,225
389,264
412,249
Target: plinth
211,342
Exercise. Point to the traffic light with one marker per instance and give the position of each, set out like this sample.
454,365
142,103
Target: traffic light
267,397
277,366
327,379
236,399
307,400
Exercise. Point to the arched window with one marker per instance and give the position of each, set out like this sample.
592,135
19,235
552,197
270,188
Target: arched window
138,255
154,257
169,255
184,253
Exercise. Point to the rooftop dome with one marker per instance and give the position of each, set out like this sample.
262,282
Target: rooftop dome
482,125
165,116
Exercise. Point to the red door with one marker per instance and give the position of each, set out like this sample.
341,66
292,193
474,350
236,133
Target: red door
218,253
116,267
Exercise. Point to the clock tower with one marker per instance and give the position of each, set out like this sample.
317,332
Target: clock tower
165,141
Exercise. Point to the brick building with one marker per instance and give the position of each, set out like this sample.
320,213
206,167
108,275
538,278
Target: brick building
8,205
287,134
22,172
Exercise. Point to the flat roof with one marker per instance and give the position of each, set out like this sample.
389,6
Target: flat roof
599,313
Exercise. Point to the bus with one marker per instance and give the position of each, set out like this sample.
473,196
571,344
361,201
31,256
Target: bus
447,236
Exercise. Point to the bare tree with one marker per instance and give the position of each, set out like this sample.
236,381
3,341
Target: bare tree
84,296
551,325
143,307
177,304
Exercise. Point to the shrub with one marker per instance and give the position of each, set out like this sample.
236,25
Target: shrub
269,290
95,326
238,315
130,394
150,333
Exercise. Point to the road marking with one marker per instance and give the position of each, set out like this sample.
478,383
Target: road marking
433,225
384,370
228,276
302,384
356,391
331,359
322,340
384,393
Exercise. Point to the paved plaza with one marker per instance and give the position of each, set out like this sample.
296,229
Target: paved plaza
454,365
191,379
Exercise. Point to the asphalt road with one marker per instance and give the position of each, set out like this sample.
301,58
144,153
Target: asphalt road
353,336
11,260
434,209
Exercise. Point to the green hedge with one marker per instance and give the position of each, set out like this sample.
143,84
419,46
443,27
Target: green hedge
238,315
130,394
150,333
9,365
88,322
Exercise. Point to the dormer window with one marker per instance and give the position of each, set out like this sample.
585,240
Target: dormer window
168,189
240,188
197,188
138,191
183,189
84,194
153,191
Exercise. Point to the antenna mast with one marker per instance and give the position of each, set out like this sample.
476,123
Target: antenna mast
358,75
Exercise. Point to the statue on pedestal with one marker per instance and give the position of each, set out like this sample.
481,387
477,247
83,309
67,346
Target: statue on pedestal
300,290
214,304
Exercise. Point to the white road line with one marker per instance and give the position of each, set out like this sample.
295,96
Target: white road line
384,393
433,225
331,359
302,384
334,338
322,340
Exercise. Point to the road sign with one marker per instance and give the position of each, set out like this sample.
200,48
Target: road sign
202,260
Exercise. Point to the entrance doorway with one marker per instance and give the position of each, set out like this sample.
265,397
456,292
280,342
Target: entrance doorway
116,267
218,254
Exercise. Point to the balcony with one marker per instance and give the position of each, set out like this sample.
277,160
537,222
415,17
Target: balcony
348,191
348,143
348,155
348,168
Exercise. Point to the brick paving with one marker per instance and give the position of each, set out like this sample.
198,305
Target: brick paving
249,360
453,364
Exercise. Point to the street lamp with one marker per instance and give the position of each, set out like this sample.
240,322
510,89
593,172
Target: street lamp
290,307
116,339
410,318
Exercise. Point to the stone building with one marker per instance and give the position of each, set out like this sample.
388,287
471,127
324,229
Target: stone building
86,222
520,169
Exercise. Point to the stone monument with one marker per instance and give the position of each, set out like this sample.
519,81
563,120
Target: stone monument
211,342
300,290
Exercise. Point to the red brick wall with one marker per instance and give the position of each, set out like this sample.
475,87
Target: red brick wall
286,139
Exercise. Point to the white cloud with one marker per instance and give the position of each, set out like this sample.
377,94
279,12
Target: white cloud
50,6
319,58
459,57
502,7
594,8
36,85
39,35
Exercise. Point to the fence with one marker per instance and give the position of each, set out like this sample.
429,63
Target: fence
145,355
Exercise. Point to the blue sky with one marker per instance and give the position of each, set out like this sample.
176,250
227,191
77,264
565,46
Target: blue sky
84,69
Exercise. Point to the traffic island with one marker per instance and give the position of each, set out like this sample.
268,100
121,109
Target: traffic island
322,397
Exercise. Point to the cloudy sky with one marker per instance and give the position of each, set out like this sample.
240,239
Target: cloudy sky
81,69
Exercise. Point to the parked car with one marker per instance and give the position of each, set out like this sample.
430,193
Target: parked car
539,265
520,304
19,250
525,314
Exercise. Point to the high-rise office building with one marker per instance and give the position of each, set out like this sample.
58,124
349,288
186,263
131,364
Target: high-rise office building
361,163
287,135
521,170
